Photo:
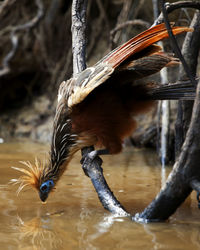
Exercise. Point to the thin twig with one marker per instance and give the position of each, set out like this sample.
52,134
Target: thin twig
174,43
103,12
177,5
129,23
122,17
163,112
15,39
125,24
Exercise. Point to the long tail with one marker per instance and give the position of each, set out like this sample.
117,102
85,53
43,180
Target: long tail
183,90
140,42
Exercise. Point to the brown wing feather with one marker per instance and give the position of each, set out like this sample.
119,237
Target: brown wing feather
79,88
140,42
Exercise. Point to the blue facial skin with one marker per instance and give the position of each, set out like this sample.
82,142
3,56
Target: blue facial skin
45,188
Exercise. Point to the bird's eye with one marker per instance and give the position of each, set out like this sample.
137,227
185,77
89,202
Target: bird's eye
43,187
46,186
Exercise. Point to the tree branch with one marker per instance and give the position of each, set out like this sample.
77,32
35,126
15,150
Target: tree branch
190,51
93,170
78,35
185,175
181,180
15,40
174,43
177,5
125,24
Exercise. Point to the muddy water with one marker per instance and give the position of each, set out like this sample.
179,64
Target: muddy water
73,218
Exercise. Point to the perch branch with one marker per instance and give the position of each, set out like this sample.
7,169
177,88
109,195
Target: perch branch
15,40
93,170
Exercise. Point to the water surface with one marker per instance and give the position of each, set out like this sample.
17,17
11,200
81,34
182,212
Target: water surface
73,217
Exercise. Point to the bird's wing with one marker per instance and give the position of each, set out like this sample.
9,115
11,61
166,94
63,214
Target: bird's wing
77,89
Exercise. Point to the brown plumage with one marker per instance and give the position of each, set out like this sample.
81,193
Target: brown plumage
98,106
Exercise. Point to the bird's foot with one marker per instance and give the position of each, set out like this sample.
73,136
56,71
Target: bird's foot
87,161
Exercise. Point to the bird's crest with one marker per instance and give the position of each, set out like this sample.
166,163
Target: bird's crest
32,177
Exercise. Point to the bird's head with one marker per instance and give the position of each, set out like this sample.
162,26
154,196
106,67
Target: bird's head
36,176
45,189
43,176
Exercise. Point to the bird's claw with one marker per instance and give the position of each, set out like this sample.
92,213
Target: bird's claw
87,160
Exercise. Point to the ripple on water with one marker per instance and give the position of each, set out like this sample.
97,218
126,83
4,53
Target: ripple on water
73,218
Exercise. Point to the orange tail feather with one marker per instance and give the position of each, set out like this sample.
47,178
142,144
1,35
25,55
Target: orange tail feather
142,41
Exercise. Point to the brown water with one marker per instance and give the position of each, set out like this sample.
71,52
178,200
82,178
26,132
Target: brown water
73,218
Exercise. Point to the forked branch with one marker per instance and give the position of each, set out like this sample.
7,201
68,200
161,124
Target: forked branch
185,175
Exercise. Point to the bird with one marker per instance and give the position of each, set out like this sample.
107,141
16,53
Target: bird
97,106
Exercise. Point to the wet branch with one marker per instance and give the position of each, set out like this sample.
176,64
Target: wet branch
93,170
184,177
190,51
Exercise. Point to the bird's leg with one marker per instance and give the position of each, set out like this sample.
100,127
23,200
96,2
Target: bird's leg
88,158
95,153
91,155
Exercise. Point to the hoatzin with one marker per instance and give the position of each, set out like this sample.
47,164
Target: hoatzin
97,107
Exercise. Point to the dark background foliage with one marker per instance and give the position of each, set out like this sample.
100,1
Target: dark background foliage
42,58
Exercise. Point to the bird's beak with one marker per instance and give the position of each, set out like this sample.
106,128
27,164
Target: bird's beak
43,196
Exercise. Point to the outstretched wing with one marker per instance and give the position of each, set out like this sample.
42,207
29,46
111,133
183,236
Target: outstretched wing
77,89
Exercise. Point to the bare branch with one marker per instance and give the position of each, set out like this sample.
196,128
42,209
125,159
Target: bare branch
174,43
93,169
181,180
125,24
14,38
177,5
185,174
78,35
190,51
103,12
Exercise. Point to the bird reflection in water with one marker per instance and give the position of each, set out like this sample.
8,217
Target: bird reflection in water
37,231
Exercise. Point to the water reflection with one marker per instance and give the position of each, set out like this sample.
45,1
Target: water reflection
104,226
73,218
38,232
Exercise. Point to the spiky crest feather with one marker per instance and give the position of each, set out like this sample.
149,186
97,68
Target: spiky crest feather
32,175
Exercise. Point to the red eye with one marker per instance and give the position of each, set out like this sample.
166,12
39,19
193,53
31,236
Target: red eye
44,187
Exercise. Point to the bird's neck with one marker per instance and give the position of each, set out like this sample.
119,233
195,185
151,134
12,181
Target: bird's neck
64,141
